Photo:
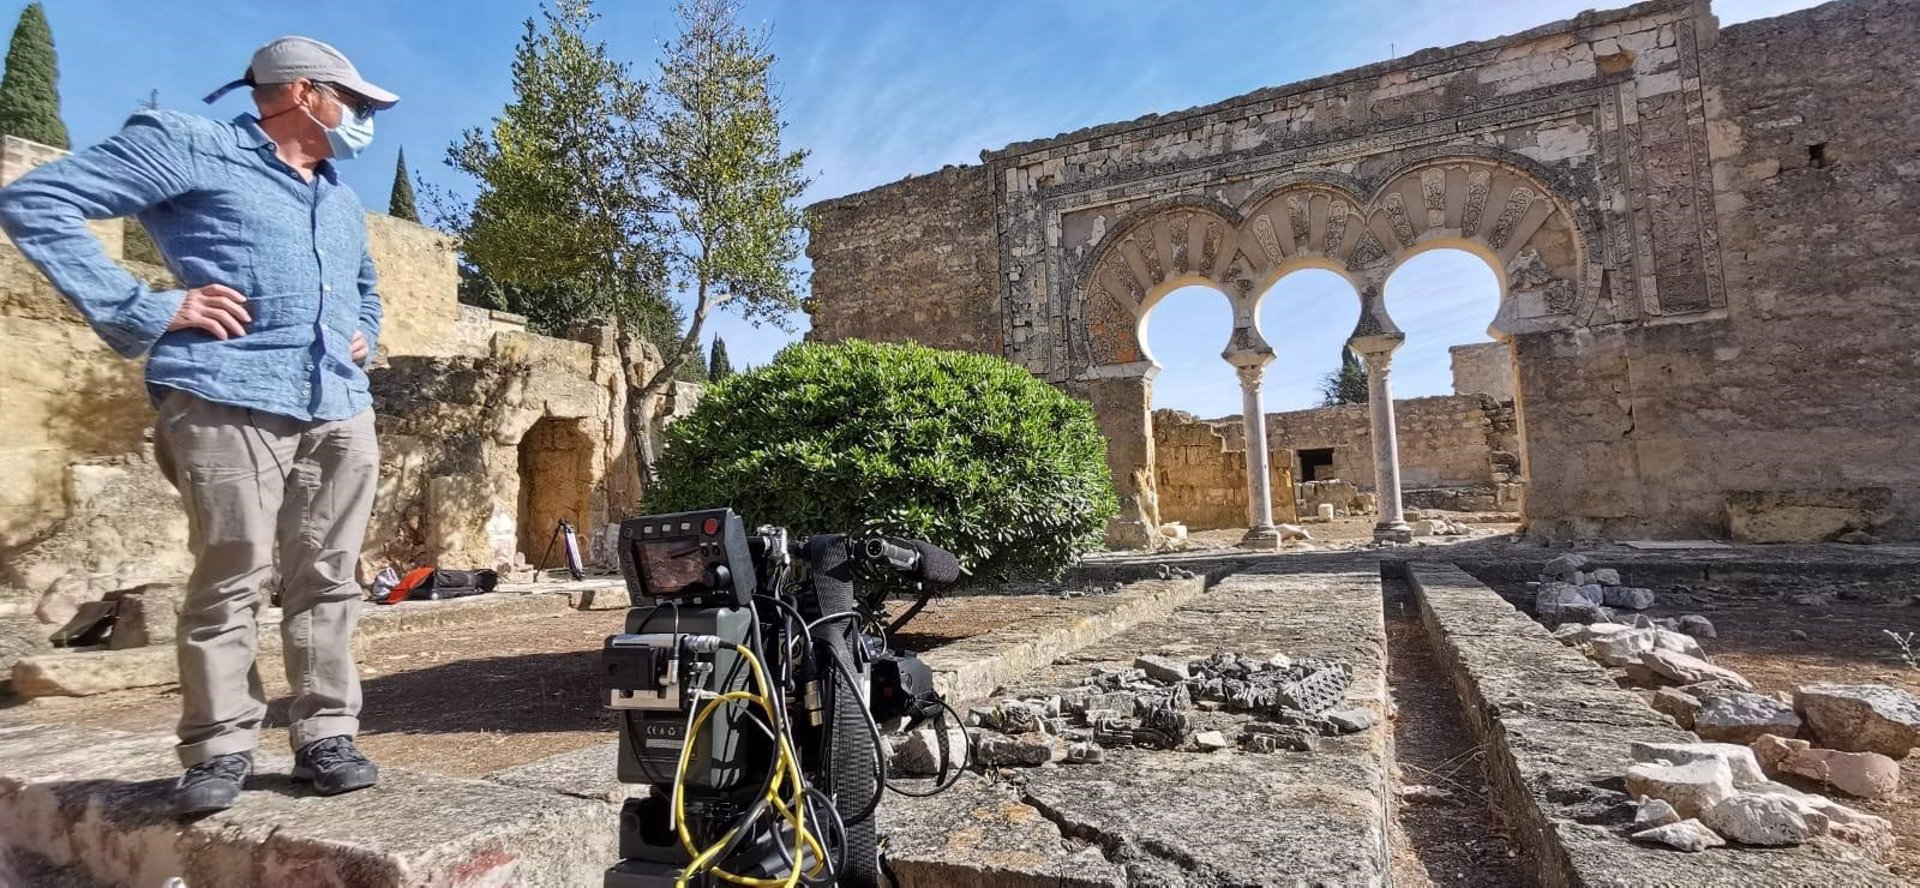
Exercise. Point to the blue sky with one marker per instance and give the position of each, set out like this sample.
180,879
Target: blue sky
876,91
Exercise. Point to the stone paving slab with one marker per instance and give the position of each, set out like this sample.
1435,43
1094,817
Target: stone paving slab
971,668
1557,732
589,772
96,801
1145,817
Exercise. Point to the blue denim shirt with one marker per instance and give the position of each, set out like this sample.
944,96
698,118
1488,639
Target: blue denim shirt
223,210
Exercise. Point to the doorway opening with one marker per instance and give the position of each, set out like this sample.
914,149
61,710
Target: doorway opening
1316,464
556,483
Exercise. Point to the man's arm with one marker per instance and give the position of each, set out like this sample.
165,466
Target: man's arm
45,213
371,313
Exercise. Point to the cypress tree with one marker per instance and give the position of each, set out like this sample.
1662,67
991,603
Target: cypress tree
400,204
1348,385
29,91
719,368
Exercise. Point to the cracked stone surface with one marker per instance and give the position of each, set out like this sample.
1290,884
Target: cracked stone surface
1244,818
94,802
1560,736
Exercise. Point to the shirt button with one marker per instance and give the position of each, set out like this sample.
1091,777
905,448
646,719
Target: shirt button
326,288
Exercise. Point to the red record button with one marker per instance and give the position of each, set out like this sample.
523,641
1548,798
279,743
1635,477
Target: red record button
710,527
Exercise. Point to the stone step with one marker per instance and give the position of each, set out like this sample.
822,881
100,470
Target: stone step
92,804
971,668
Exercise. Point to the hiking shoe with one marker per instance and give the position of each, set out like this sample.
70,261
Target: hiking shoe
212,785
334,766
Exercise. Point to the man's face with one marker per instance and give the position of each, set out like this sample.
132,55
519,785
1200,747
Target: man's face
323,101
320,101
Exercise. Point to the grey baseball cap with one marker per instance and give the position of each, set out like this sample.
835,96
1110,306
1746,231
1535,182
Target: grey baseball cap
290,58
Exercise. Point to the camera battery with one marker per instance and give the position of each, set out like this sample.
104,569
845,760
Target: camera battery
666,687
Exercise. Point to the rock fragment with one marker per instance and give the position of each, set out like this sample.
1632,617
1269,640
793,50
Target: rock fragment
1761,819
1684,669
1861,718
1742,717
1690,788
1654,812
1685,835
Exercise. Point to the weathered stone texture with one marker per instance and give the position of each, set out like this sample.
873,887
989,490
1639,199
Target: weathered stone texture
1559,734
1200,473
1445,441
1819,198
417,275
1660,429
916,260
1483,368
69,398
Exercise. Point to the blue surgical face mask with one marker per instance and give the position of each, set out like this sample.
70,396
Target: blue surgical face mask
352,136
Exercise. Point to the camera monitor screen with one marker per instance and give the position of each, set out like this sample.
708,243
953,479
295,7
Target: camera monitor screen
669,568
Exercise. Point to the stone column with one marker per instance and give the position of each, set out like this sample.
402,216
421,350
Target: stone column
1260,530
1377,352
1122,399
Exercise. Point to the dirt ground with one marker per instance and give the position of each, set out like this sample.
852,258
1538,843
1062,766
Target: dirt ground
1445,832
468,701
1844,641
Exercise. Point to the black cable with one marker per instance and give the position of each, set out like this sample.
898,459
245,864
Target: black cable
966,737
823,802
795,614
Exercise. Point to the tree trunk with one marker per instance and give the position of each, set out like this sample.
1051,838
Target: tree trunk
671,363
638,416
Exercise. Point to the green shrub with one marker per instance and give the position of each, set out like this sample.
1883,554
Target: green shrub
968,451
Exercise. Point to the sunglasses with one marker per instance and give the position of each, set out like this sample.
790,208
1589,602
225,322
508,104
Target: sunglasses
361,107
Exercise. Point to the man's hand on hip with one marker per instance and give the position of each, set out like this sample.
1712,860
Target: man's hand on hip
359,348
217,310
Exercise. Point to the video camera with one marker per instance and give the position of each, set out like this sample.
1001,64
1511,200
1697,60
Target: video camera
751,681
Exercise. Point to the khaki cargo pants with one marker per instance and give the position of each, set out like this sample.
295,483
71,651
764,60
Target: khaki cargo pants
255,486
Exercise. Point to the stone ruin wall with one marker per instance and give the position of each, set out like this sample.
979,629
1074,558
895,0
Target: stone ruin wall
1201,473
1483,368
1720,314
1445,441
1462,444
912,261
456,390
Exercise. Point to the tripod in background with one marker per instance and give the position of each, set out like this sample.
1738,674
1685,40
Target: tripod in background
563,535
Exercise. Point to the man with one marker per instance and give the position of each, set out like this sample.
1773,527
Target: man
255,368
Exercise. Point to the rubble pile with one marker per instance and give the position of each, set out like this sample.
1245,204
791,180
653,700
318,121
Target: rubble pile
1695,796
1168,704
1571,590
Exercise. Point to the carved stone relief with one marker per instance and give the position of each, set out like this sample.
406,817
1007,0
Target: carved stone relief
1237,255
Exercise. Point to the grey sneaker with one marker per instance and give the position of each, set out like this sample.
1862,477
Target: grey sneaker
212,785
334,766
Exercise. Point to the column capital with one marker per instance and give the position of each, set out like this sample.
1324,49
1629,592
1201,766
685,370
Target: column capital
1376,347
1250,376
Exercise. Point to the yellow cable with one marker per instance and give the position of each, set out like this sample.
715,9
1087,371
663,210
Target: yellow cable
787,766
